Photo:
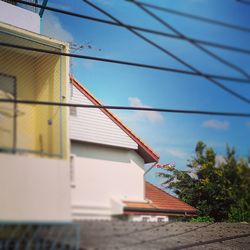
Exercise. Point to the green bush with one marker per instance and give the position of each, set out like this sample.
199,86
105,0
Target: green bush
202,219
239,215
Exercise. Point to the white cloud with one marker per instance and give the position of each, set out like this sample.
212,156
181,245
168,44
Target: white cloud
152,116
216,124
177,153
219,159
52,27
88,64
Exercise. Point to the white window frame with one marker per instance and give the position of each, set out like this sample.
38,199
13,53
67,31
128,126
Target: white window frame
72,170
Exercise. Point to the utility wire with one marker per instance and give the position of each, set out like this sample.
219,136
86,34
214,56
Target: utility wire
195,17
180,111
244,1
200,47
215,82
166,34
140,65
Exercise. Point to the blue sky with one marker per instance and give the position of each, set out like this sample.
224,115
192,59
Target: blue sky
173,136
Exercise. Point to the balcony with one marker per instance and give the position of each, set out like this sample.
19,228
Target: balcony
27,75
20,15
14,2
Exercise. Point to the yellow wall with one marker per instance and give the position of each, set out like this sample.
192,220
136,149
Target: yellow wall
48,89
16,64
38,78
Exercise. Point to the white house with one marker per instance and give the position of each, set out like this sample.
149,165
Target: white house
107,160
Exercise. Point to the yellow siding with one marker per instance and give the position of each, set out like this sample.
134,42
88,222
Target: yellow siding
38,78
16,64
48,89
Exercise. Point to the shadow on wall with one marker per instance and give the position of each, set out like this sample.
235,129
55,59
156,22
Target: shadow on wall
100,152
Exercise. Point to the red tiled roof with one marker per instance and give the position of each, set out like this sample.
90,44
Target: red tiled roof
138,204
144,150
158,213
159,202
164,200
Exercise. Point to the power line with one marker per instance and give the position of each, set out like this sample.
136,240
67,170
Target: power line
244,2
164,110
141,65
228,90
215,82
213,55
166,34
195,17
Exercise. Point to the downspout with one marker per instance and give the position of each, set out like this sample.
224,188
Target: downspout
61,99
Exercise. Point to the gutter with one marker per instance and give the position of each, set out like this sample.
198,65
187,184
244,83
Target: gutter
158,210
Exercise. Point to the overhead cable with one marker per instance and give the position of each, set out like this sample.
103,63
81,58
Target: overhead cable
244,1
210,79
140,65
195,17
164,110
200,47
156,32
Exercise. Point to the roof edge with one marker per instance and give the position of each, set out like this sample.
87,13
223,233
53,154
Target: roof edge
141,145
195,209
159,210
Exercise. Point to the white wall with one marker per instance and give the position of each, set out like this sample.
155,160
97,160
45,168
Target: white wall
34,189
92,125
19,17
148,218
104,176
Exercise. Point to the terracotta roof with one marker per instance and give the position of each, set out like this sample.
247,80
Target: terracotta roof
158,213
144,150
138,204
159,202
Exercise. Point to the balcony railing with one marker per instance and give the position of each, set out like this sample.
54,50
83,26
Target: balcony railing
31,8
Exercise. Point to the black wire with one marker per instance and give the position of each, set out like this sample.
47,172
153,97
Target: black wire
208,43
218,84
244,1
164,110
174,70
213,55
195,17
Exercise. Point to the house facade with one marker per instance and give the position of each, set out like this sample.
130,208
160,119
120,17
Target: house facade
55,166
34,141
107,168
107,160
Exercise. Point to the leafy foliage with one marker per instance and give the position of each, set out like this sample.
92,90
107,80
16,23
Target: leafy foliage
202,219
219,189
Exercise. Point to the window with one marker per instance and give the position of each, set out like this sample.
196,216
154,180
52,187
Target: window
145,219
8,111
71,90
72,171
160,219
73,111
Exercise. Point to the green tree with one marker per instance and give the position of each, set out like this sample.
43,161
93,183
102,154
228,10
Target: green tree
219,189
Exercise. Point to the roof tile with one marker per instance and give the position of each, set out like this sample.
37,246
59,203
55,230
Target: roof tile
159,200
